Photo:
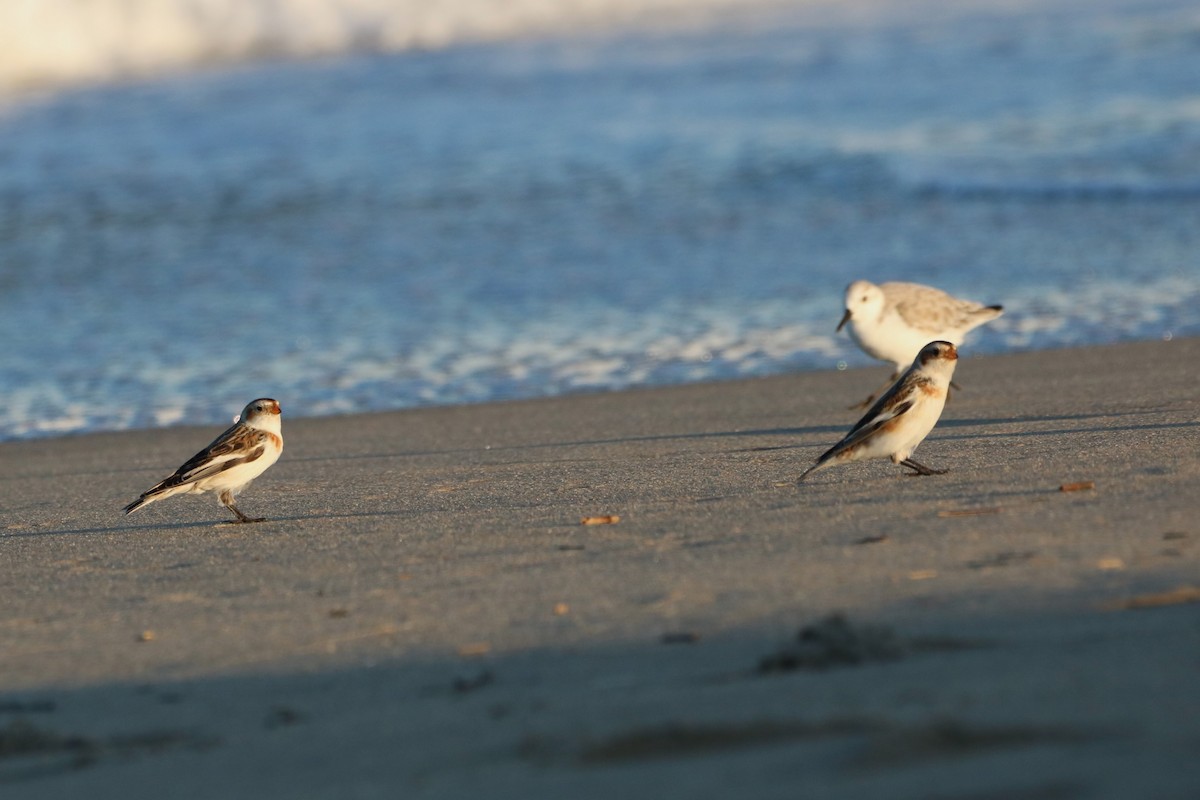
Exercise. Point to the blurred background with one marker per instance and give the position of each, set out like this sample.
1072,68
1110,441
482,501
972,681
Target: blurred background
357,205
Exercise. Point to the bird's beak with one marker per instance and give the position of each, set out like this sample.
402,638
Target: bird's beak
952,353
845,319
275,409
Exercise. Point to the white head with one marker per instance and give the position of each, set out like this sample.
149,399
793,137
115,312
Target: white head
864,300
262,413
937,360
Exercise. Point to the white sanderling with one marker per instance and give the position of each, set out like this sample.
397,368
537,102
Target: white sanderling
893,321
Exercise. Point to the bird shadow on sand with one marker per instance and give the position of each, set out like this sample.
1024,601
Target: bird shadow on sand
793,432
974,421
682,437
264,525
953,424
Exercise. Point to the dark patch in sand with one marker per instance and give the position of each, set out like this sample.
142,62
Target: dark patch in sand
1004,559
944,739
28,751
464,685
1059,790
27,706
835,642
876,743
282,717
680,740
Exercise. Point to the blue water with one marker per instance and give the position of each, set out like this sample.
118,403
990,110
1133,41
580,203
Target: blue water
592,211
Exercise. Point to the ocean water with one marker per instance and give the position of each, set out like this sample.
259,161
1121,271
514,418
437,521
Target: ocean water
353,205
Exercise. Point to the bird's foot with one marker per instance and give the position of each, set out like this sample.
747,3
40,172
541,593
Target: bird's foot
242,518
920,469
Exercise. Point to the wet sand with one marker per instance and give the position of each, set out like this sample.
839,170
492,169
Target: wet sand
425,616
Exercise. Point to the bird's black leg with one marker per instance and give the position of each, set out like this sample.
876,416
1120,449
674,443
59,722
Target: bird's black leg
954,387
227,501
921,469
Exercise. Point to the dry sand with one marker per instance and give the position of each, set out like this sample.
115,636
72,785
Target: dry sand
425,616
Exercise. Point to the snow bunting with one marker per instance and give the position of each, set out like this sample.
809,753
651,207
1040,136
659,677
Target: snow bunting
893,321
903,417
230,463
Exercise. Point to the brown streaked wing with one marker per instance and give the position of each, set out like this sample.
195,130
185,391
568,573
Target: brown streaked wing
234,443
862,432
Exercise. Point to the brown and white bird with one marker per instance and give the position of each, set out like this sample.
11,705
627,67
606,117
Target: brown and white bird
230,463
893,321
902,418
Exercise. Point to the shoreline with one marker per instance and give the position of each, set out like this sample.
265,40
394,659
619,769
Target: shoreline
873,366
425,612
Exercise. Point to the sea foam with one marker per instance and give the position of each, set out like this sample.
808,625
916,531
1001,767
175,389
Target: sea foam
55,42
578,212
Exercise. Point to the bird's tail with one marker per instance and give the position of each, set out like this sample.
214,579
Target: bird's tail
988,313
821,464
136,504
156,493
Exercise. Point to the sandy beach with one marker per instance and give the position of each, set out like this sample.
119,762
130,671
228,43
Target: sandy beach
426,616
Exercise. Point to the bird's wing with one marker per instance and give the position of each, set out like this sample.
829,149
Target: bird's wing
862,431
238,445
928,309
894,402
888,404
